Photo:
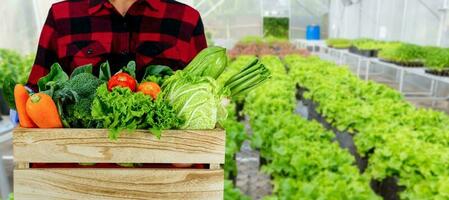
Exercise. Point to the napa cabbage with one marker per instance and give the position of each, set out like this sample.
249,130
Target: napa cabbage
197,96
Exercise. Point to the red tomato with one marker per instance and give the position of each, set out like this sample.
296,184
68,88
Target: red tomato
122,80
150,88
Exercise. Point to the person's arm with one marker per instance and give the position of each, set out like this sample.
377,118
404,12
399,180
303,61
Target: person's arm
46,51
198,40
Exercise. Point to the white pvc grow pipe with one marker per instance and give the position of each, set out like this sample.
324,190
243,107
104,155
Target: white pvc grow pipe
443,23
379,4
404,20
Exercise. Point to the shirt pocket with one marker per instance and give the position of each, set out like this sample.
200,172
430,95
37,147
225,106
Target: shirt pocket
156,49
81,53
158,52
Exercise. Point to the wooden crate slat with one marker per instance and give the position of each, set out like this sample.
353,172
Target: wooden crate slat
93,145
118,184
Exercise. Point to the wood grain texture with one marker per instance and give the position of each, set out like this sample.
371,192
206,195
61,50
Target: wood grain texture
118,184
22,165
93,145
214,166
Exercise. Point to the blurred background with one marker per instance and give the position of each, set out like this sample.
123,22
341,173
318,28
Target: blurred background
421,22
227,21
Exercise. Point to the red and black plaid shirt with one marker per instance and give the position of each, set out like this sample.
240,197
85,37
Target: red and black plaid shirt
79,32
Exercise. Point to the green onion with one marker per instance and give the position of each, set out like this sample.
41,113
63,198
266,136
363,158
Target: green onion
258,69
249,81
248,69
248,84
237,93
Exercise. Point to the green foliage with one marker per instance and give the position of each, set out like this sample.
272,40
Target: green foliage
84,84
300,155
235,136
381,117
434,58
73,96
367,44
54,79
402,52
8,92
15,66
276,27
263,40
209,62
437,58
275,40
232,193
158,73
252,39
196,99
339,43
196,95
124,110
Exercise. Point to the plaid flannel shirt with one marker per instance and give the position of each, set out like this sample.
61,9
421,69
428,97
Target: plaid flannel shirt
79,32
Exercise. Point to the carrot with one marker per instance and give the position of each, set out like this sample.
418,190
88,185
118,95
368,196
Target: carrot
42,110
150,88
21,97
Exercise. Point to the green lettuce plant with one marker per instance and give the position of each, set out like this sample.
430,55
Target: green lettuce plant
437,59
300,155
402,52
400,140
339,43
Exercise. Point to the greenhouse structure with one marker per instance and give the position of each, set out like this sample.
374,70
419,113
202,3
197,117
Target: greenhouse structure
224,99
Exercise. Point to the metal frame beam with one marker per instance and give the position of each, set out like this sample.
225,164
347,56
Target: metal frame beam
434,13
217,4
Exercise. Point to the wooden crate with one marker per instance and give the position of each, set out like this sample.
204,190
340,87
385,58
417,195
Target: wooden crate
93,146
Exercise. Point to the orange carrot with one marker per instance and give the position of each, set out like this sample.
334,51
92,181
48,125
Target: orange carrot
21,97
42,110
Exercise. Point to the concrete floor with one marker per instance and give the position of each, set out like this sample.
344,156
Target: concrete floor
6,155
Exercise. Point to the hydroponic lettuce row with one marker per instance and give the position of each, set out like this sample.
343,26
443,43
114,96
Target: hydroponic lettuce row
435,59
15,66
399,140
402,53
339,43
367,44
235,135
301,155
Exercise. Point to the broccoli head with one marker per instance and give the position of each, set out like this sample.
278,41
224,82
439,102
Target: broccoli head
78,112
84,84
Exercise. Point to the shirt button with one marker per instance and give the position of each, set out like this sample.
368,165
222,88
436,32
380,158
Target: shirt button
124,52
125,25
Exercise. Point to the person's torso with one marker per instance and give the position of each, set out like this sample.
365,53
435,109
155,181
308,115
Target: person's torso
152,32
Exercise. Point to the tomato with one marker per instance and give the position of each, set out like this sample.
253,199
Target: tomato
122,80
150,88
